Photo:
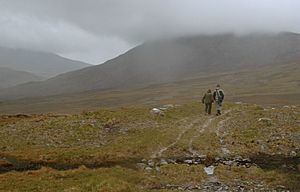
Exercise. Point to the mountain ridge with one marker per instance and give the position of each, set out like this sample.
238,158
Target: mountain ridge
171,60
39,63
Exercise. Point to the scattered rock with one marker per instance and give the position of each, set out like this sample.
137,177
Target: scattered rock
225,151
141,165
293,154
148,169
144,160
157,111
151,163
188,161
209,170
168,106
163,162
172,161
265,120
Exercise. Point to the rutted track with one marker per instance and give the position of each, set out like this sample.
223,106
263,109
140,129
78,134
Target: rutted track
186,128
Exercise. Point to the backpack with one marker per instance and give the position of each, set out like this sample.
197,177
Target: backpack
219,95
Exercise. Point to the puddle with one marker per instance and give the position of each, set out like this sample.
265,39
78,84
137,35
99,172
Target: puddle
279,162
24,165
264,161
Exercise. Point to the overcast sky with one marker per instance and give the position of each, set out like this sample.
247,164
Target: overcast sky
96,30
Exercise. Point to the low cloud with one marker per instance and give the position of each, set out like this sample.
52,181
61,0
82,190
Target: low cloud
97,30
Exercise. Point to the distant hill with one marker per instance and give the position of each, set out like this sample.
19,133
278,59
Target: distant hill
10,77
171,60
39,63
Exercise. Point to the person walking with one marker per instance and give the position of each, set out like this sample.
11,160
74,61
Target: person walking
218,96
208,100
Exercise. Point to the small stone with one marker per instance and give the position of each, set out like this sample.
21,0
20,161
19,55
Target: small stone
157,111
172,161
148,169
265,120
163,162
228,162
188,161
209,170
151,163
141,165
293,154
225,151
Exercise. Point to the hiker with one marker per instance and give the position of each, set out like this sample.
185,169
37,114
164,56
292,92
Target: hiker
208,100
218,98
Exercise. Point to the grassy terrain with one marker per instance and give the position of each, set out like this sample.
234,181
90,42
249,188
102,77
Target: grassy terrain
109,149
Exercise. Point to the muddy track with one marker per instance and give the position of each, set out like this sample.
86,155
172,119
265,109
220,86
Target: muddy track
205,127
206,124
178,138
15,164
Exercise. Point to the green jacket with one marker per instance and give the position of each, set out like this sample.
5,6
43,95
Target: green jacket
208,98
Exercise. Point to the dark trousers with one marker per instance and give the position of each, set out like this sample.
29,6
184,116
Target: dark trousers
208,108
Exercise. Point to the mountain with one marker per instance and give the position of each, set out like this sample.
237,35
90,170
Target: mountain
10,77
40,63
171,60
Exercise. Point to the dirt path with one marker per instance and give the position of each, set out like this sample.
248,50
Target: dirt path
205,127
207,123
185,129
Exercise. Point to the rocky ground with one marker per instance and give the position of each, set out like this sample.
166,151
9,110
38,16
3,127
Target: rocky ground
170,148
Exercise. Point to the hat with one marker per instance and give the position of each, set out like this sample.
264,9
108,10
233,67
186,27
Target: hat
218,85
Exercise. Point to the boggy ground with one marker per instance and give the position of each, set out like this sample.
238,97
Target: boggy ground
130,149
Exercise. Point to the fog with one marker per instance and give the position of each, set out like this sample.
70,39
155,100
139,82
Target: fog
97,30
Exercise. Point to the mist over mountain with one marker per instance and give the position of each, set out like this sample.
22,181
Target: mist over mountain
10,77
171,60
39,63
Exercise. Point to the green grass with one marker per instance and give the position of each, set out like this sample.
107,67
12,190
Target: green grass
123,137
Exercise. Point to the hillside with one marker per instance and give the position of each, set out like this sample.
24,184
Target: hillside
39,63
132,150
9,77
268,85
171,60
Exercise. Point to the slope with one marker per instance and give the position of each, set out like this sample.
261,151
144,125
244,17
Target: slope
39,63
171,60
10,77
268,85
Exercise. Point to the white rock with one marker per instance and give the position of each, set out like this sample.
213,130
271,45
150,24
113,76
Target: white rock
148,169
293,154
168,106
264,119
163,162
188,161
151,163
225,151
157,111
209,170
268,121
141,165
